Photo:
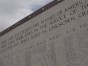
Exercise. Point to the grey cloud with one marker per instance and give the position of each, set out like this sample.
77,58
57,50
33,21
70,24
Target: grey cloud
12,11
8,7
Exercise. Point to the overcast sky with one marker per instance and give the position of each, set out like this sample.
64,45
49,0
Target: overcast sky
12,11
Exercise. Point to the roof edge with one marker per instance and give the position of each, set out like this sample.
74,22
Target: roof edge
34,14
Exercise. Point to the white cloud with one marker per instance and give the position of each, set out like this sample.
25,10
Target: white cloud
12,11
